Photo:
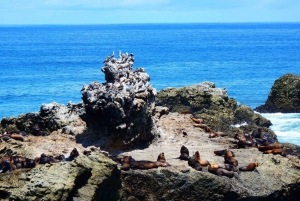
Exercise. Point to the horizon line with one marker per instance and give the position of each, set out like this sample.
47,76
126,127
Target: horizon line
154,23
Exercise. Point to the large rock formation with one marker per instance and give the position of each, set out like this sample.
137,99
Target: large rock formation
51,117
213,105
284,96
87,178
120,110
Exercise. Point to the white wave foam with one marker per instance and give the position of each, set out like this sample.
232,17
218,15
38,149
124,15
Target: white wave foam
286,126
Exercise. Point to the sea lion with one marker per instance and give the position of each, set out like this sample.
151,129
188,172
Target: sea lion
44,159
161,157
222,152
74,153
271,146
213,135
274,151
16,136
197,120
184,153
221,134
220,171
125,162
194,161
6,166
250,167
186,112
228,158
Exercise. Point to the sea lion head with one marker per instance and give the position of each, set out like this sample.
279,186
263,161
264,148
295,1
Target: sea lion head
126,159
161,157
184,150
256,164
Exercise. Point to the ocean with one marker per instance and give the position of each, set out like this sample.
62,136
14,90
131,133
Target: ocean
44,63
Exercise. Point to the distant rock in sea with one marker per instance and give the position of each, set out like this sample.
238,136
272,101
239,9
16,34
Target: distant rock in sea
284,96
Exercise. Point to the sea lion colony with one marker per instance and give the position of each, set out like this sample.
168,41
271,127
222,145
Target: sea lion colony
228,168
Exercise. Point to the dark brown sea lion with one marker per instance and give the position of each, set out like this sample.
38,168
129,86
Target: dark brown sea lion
250,167
257,133
229,159
74,153
184,153
125,162
161,157
220,152
147,164
5,166
220,171
194,161
269,147
44,159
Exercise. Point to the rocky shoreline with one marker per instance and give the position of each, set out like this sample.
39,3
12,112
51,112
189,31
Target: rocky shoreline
125,116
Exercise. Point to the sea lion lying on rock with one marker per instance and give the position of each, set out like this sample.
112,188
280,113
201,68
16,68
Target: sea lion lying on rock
215,169
10,163
222,152
47,159
250,167
128,162
270,147
197,120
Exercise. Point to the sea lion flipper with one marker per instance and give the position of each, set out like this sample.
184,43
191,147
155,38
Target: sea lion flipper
255,170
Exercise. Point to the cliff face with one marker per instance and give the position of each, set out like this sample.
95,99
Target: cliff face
284,96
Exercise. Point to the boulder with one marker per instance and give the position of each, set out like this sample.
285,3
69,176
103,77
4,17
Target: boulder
284,96
86,178
120,111
51,117
213,105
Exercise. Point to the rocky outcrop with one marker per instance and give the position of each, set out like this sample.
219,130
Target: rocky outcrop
51,117
190,185
212,104
120,111
284,96
87,178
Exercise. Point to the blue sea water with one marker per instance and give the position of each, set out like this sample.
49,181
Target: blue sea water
44,63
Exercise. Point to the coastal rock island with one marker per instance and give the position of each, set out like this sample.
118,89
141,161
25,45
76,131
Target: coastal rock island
108,146
284,96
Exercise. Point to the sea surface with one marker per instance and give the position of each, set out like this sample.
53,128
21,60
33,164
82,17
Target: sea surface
44,63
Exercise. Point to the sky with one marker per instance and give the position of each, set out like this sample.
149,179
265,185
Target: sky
146,11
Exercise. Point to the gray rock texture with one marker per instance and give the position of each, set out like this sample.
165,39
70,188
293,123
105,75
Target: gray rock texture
119,112
51,117
284,96
87,178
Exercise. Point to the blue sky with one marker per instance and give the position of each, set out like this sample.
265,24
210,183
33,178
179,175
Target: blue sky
146,11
